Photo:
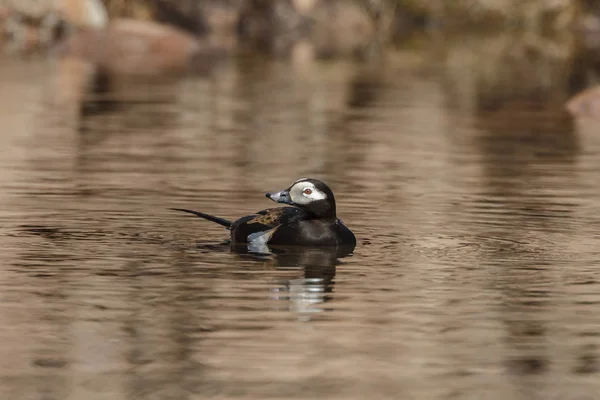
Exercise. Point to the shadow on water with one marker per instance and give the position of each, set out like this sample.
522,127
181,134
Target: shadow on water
347,143
526,144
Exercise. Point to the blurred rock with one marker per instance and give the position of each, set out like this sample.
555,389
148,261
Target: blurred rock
4,13
128,46
27,25
135,47
586,103
531,16
35,9
335,28
184,14
341,28
83,13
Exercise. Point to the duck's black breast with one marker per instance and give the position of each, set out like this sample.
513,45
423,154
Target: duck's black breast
313,232
264,222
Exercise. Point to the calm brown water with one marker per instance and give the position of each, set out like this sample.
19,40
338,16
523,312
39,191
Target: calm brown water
476,275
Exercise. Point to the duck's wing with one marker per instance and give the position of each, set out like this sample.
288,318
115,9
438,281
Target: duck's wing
264,223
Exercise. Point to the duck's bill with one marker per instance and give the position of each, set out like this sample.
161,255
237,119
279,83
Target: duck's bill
280,197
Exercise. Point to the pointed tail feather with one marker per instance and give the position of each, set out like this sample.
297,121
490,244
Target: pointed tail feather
212,218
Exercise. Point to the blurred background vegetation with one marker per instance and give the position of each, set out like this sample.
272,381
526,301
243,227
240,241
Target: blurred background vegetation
266,20
515,49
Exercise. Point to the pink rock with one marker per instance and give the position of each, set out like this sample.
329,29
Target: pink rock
137,47
585,103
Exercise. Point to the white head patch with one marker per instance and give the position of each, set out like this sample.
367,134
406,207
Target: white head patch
304,192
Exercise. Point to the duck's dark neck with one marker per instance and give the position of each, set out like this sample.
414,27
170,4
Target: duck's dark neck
322,209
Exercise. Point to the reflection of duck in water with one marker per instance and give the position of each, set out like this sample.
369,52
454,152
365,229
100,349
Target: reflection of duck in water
311,222
127,46
313,285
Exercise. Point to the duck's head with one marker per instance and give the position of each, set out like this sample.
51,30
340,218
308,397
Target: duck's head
311,195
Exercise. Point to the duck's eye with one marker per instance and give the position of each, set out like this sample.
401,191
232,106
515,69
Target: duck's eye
307,191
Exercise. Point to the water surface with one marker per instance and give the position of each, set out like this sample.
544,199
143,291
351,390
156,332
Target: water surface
475,276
